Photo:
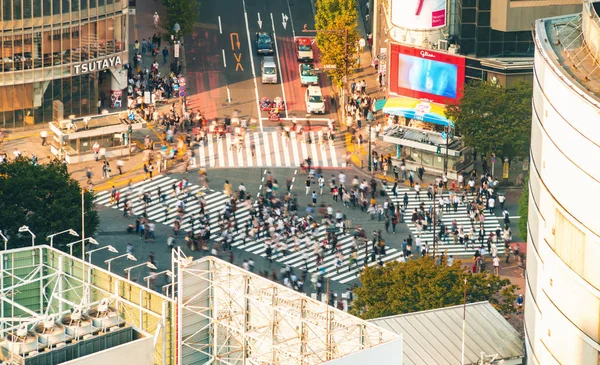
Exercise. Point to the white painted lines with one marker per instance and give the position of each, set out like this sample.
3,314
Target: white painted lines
220,27
256,98
224,59
272,149
279,65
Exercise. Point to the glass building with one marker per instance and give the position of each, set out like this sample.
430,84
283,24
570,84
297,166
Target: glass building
72,51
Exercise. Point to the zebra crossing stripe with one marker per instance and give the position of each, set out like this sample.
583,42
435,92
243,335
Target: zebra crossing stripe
294,140
334,162
285,142
229,149
267,150
211,151
276,149
215,202
248,152
257,145
313,148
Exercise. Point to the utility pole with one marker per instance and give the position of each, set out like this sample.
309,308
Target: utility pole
434,222
446,154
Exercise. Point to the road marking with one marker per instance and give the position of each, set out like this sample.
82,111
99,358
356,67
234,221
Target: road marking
229,147
276,149
259,22
248,151
311,119
295,149
256,145
238,59
224,59
253,69
284,19
267,149
221,28
313,148
279,66
211,151
334,162
221,154
291,18
201,155
286,152
236,42
304,150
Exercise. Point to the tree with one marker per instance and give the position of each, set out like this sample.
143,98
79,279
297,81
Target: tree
183,12
420,284
337,15
524,211
492,119
46,199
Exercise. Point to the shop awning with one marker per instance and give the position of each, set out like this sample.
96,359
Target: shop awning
417,109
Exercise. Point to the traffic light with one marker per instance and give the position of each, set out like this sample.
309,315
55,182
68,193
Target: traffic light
439,150
130,129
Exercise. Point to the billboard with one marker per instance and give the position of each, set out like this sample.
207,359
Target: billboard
425,74
418,14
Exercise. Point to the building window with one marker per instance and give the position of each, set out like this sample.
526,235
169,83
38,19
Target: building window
46,8
17,10
6,10
569,243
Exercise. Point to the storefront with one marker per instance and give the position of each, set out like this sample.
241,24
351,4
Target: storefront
49,53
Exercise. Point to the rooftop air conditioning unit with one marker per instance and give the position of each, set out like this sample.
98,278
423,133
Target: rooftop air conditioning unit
443,45
453,49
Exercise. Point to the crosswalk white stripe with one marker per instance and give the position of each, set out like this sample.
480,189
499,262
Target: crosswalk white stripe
201,155
295,148
221,156
211,151
304,150
240,152
334,162
267,150
285,142
324,157
276,149
257,146
229,149
313,148
160,180
248,150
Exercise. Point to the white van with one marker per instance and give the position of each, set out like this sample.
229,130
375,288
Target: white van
314,100
268,70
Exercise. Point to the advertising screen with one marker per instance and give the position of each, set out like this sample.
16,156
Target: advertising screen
425,74
418,14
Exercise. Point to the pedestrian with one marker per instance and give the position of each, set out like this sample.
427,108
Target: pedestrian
519,303
307,184
314,198
44,135
120,164
496,261
405,199
165,53
501,199
417,188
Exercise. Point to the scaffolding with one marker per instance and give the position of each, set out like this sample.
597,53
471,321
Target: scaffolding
215,312
243,318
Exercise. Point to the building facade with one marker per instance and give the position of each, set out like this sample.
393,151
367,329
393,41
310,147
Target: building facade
562,307
73,51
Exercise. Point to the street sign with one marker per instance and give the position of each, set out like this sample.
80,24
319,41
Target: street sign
176,50
182,94
505,170
329,67
493,159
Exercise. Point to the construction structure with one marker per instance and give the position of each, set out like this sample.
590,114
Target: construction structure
55,308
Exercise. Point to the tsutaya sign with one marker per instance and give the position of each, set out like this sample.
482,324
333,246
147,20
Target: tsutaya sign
96,65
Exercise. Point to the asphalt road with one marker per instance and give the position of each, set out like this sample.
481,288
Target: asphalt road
224,70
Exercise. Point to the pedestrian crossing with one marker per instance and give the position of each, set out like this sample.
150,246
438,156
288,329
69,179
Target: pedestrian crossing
269,149
461,217
215,202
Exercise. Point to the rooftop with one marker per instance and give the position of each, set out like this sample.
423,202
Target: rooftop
51,303
435,336
570,42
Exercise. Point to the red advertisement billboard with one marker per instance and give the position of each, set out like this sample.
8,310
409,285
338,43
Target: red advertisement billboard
426,74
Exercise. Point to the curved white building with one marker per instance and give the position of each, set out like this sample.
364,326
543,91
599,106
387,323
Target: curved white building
562,308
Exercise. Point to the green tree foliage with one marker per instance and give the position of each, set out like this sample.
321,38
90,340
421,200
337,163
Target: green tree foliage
492,119
420,284
337,15
524,211
46,199
184,12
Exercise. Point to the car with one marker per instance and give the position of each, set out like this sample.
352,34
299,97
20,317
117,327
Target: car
304,50
268,70
264,44
314,100
308,76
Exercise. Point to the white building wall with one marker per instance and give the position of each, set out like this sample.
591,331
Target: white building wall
562,309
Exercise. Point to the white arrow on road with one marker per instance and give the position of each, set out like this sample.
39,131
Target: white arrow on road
259,21
285,19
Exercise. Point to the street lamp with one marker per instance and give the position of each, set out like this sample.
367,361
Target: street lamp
176,46
89,239
345,80
5,240
147,278
147,263
26,229
128,255
51,236
109,247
